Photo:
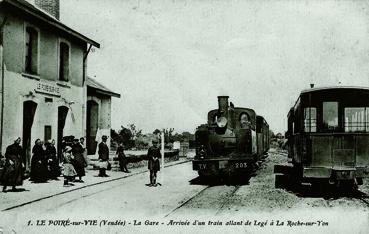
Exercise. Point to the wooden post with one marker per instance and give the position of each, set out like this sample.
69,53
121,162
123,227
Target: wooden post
162,157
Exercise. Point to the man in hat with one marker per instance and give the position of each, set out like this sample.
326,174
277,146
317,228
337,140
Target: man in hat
103,156
153,164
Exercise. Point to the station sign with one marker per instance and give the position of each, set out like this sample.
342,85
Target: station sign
47,88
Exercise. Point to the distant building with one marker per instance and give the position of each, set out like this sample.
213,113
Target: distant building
43,75
98,113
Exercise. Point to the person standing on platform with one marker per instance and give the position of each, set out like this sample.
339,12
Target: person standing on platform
39,171
82,143
52,160
79,161
68,170
103,157
153,155
122,158
13,169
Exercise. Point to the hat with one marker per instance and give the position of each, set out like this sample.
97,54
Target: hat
68,148
104,137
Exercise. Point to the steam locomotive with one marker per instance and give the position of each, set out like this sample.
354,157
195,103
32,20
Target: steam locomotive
232,142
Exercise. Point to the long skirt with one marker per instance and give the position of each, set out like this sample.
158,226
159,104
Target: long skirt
12,174
39,172
79,164
68,170
54,170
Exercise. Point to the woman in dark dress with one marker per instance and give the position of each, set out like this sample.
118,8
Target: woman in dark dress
122,158
13,169
79,161
39,171
52,160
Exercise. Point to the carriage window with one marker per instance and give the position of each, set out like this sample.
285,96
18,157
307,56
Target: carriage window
330,115
356,119
310,119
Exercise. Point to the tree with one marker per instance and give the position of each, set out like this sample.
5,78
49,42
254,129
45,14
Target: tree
168,137
135,131
156,132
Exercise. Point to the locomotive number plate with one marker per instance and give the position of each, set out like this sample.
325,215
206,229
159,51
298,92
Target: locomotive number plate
240,165
201,166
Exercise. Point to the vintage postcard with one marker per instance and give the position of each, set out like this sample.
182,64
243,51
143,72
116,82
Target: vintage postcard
184,116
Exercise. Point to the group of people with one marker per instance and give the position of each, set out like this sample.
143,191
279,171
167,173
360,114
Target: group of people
74,161
45,163
153,155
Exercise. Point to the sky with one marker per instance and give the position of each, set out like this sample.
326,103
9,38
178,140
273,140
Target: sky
170,59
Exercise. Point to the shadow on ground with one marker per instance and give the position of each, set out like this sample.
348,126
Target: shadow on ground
17,190
325,191
221,180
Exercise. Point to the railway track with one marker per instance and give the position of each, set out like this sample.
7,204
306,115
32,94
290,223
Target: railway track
363,197
226,196
227,201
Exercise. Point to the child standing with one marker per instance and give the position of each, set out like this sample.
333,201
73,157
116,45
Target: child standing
68,170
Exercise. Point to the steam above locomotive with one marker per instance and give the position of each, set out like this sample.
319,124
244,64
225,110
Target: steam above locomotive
233,139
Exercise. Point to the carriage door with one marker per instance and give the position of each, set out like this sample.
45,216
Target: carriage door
29,109
62,115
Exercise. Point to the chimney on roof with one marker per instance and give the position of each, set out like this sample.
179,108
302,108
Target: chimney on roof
50,6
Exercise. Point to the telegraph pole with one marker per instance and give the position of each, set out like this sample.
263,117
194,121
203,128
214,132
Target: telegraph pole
162,158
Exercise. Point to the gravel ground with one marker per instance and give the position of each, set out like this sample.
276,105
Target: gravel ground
261,203
260,195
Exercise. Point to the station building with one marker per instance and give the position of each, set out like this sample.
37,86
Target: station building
43,76
98,120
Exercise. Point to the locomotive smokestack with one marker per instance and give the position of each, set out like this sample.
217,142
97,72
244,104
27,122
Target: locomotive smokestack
223,104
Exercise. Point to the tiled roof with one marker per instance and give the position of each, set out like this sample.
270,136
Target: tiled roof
92,83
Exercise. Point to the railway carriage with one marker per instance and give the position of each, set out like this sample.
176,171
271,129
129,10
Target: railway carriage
328,137
232,142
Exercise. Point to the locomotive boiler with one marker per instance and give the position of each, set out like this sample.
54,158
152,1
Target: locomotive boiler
232,142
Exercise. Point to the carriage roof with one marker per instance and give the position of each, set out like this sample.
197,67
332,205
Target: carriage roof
335,88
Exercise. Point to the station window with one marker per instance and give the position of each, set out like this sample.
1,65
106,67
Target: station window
47,133
310,119
330,116
356,119
64,61
31,50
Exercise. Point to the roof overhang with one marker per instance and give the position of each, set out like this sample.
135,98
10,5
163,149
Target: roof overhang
104,92
35,12
97,88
